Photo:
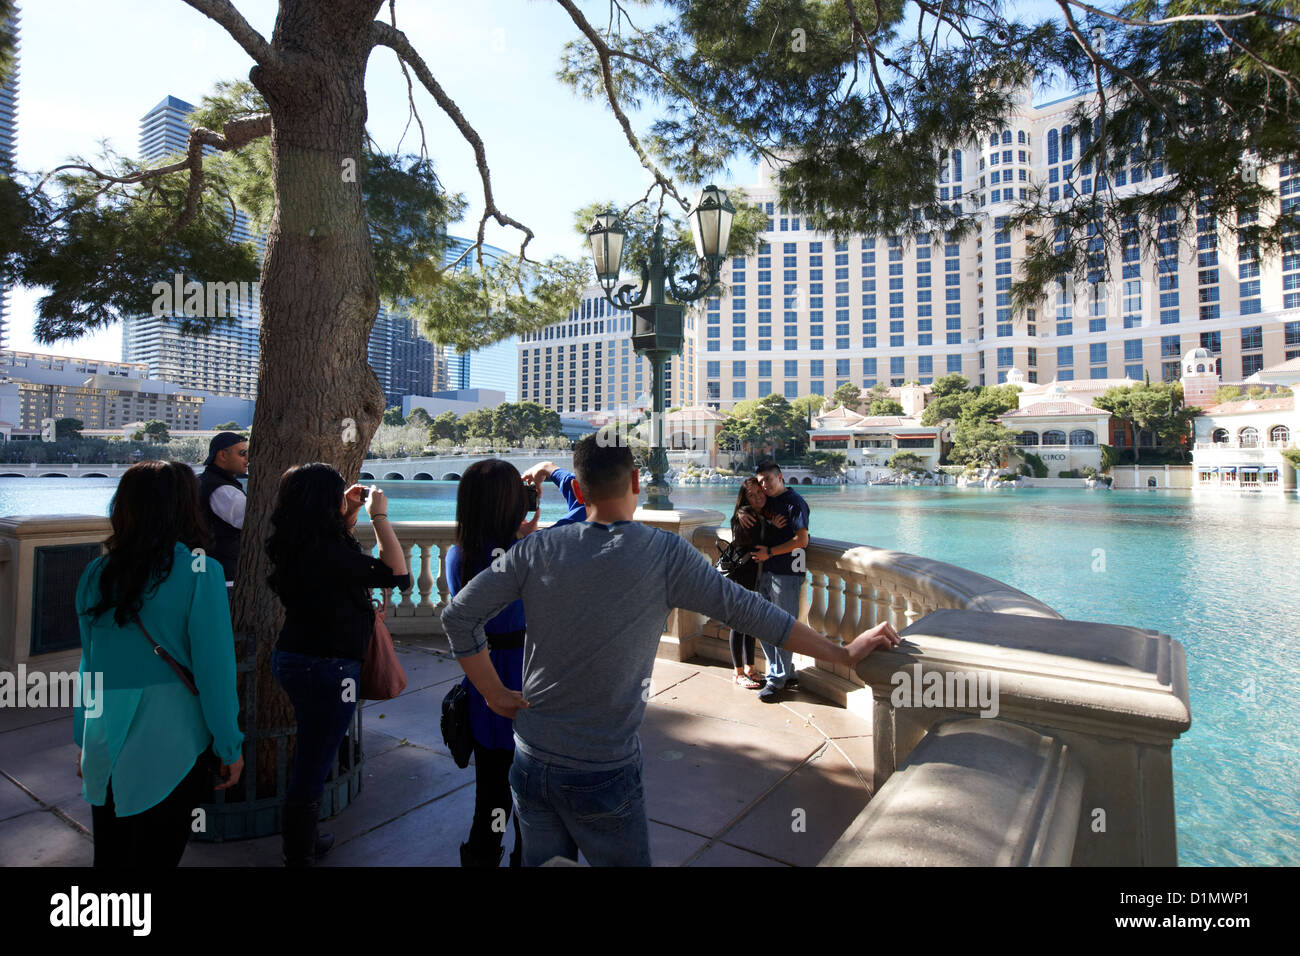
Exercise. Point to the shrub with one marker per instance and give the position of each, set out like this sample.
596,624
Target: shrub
1037,464
1068,474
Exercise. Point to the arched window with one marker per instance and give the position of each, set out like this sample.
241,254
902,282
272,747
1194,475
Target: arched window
1279,433
1200,368
1022,136
1053,146
1082,436
1054,437
1006,136
1219,436
1248,437
1027,438
956,165
1067,142
993,140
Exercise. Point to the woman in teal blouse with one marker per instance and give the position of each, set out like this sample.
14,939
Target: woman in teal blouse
140,753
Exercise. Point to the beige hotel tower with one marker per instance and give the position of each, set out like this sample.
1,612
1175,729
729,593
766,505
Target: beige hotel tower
805,314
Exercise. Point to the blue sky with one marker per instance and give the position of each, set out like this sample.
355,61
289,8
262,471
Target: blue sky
91,69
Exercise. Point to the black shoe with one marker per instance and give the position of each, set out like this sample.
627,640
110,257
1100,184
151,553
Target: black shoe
303,844
768,694
791,683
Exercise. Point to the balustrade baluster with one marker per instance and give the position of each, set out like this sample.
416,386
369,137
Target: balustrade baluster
426,579
898,610
852,610
816,601
444,592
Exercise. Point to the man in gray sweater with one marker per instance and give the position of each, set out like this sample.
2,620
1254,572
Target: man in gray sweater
597,595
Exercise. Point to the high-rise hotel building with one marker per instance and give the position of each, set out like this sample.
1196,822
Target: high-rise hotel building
586,362
8,149
223,361
805,314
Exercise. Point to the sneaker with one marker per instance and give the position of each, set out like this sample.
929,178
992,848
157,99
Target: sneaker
768,694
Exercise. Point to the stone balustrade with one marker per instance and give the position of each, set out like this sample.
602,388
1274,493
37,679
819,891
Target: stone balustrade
1115,697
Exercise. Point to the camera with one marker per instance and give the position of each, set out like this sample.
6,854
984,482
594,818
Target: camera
532,495
365,493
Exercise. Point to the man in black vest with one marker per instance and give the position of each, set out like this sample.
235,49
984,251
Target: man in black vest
221,497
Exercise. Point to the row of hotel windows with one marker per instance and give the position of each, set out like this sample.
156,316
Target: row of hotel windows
1170,348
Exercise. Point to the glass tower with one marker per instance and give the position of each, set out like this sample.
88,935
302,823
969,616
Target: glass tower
8,148
224,361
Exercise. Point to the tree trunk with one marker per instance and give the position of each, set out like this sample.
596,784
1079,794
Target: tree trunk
318,293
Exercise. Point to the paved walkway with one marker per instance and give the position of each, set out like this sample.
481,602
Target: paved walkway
729,781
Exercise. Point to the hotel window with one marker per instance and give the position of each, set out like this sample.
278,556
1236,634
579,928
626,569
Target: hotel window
1132,350
737,389
791,389
1065,355
1252,338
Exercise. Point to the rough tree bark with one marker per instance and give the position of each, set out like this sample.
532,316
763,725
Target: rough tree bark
319,297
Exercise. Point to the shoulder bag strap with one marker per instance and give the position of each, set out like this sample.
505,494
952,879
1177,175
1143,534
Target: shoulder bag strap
181,672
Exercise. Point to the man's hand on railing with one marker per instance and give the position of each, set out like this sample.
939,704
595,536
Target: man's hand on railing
882,636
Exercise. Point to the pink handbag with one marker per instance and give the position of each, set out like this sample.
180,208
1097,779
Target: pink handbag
382,677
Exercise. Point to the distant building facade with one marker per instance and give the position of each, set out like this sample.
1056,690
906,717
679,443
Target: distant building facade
586,362
225,360
805,314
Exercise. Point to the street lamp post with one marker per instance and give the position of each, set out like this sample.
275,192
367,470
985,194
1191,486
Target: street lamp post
657,327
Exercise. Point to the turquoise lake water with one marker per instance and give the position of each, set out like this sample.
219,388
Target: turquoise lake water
1219,574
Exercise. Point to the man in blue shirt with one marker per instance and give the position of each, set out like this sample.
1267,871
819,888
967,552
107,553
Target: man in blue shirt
568,485
784,565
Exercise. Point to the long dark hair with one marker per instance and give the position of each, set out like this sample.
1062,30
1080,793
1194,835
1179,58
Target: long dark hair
156,505
742,536
307,516
490,505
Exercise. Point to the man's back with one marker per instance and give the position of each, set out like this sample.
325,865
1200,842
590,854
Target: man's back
596,599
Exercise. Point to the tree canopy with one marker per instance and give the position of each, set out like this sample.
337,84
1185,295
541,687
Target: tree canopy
859,107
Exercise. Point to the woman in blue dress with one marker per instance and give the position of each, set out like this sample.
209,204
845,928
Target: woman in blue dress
491,504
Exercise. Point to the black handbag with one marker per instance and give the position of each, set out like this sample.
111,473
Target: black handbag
456,731
731,558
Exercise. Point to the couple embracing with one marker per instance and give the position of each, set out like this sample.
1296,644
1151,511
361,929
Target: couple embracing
770,528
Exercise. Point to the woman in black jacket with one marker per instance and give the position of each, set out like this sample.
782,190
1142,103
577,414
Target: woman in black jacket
324,580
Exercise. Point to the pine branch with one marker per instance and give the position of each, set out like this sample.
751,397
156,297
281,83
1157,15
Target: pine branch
254,44
607,77
385,34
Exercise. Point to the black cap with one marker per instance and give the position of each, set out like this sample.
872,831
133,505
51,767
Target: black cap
220,442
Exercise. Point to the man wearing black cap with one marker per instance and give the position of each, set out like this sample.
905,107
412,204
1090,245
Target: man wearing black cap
222,497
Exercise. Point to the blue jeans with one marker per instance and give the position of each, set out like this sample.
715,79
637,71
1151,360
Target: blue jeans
323,709
783,591
563,809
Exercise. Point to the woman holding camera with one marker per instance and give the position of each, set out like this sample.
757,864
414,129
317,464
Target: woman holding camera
146,716
324,580
491,504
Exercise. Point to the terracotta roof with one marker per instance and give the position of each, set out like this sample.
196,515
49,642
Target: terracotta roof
846,418
1290,365
1049,409
1252,405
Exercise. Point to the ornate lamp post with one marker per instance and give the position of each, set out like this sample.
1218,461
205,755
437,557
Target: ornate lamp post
657,327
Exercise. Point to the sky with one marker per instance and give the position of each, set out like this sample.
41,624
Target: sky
90,69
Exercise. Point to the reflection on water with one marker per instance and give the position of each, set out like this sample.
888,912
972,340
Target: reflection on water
1219,574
